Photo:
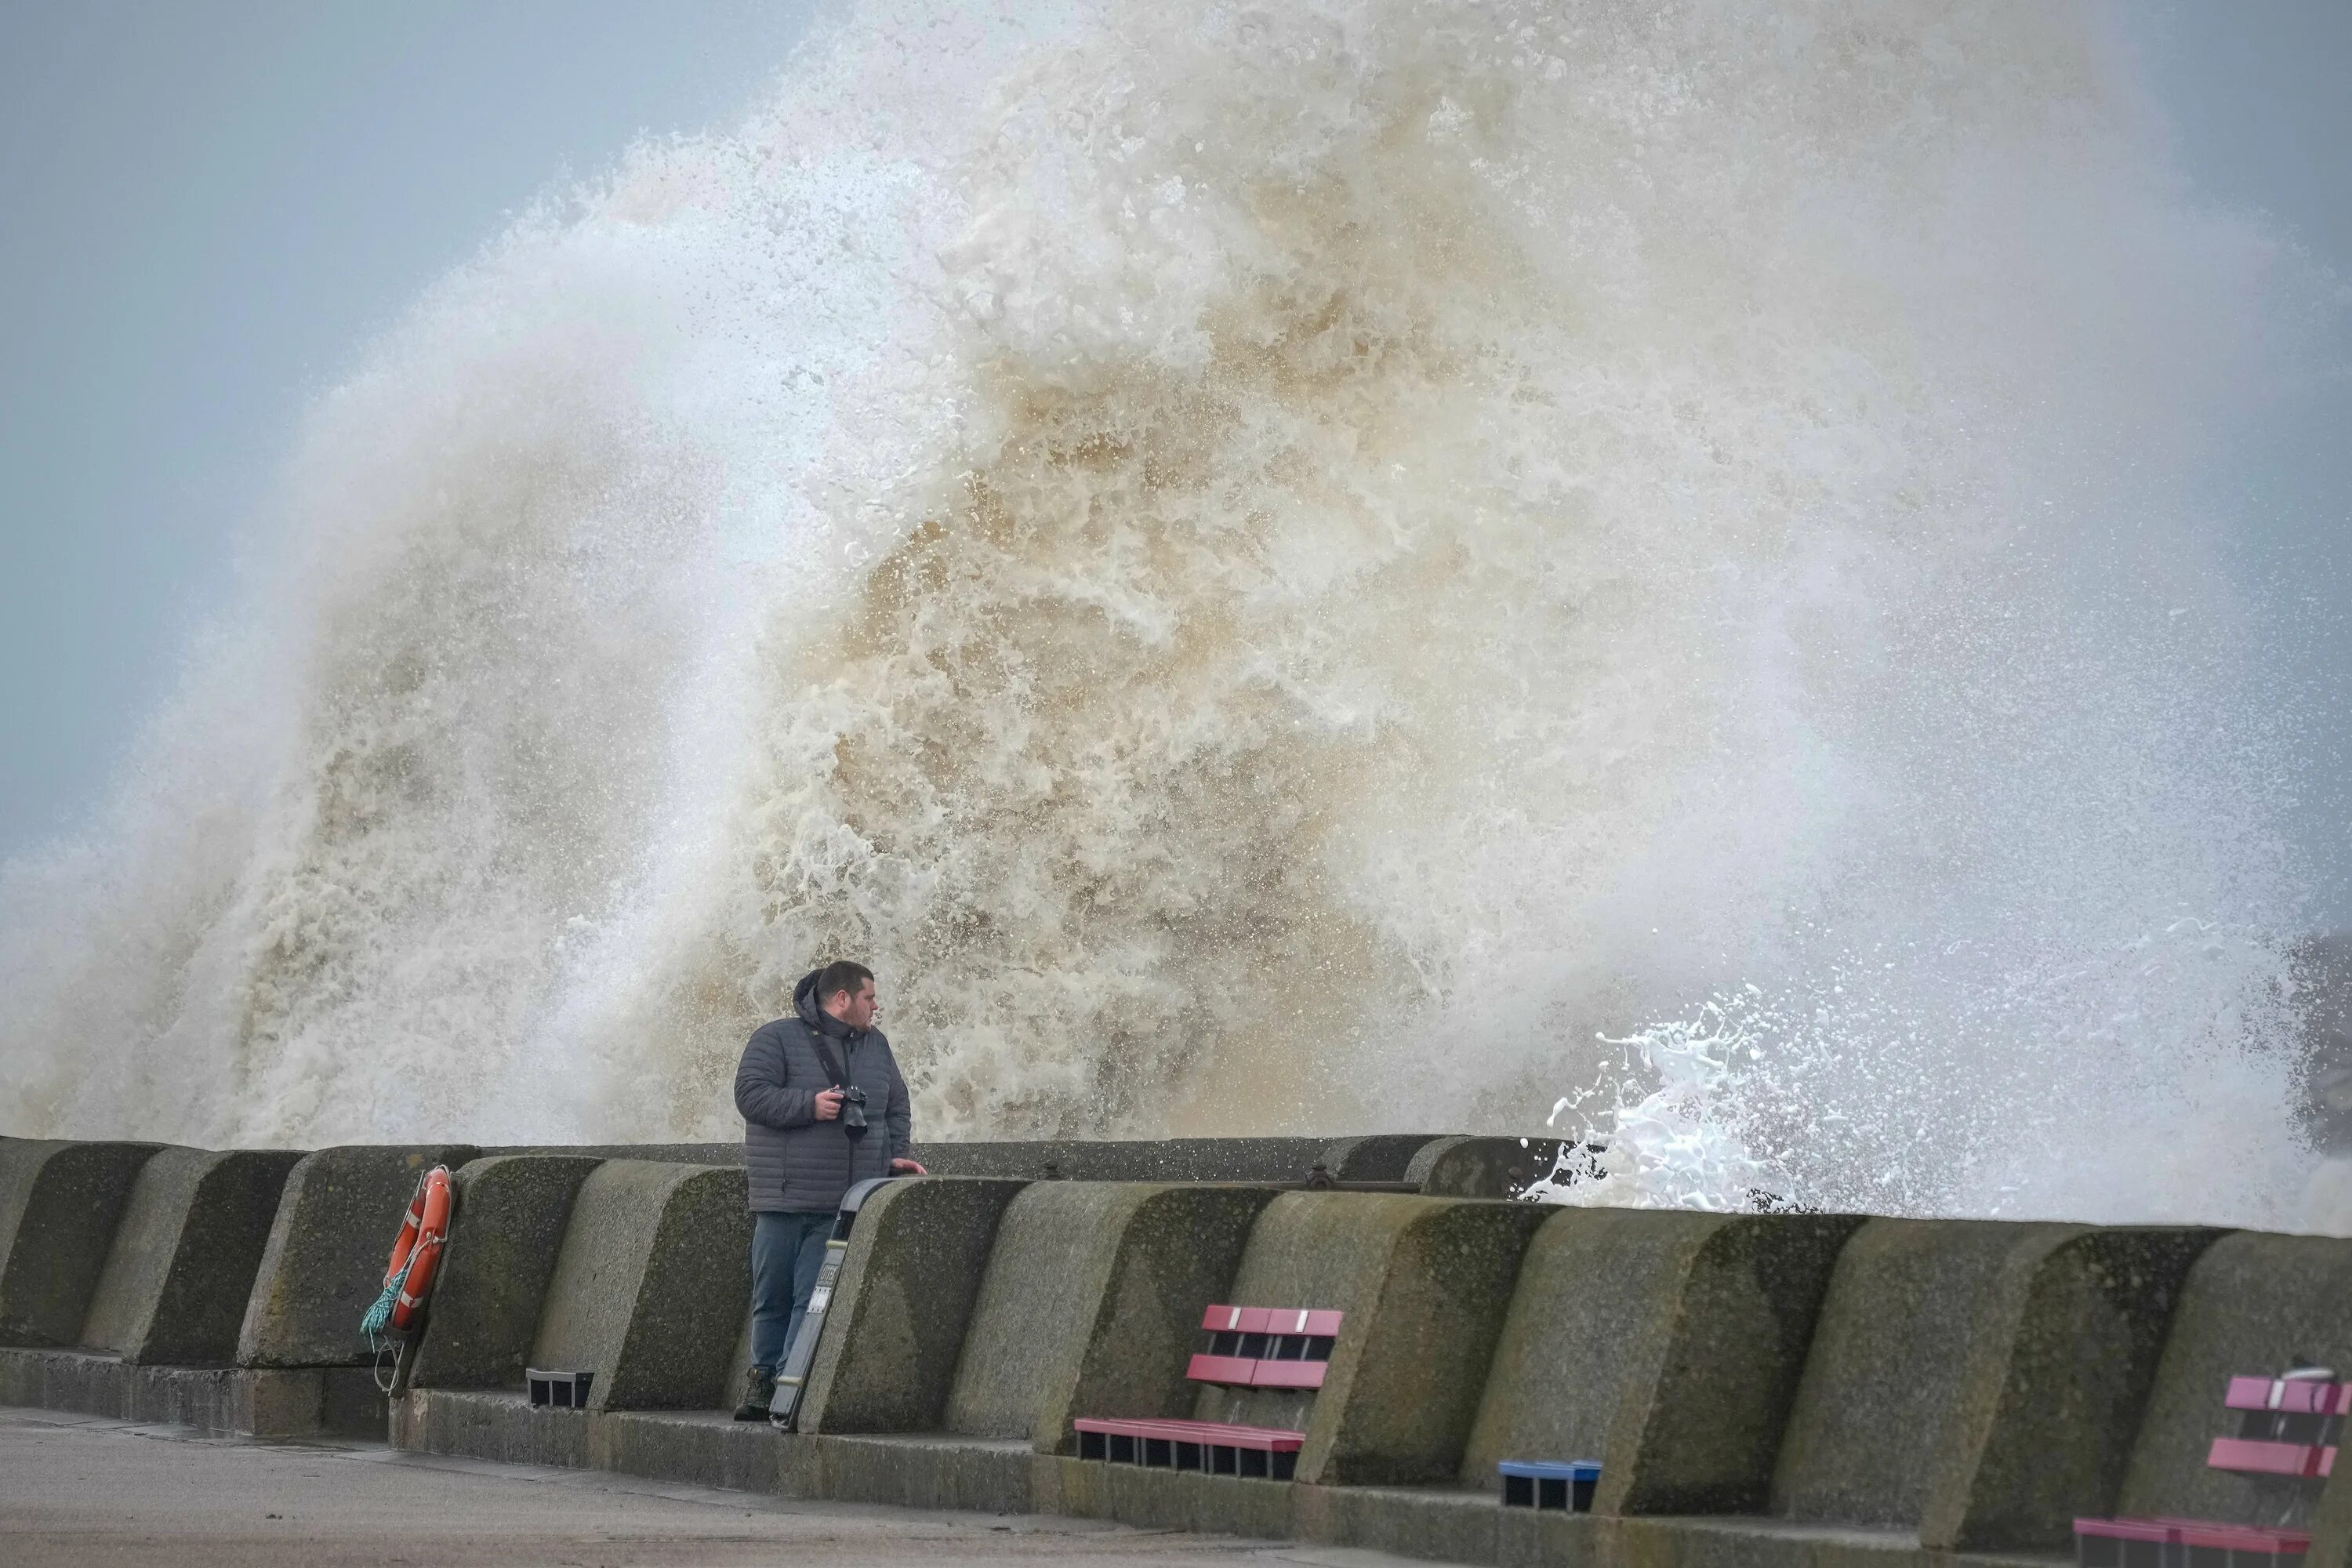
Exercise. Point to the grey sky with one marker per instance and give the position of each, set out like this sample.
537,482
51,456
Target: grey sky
207,210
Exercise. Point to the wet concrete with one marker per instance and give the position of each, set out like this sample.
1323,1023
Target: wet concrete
80,1491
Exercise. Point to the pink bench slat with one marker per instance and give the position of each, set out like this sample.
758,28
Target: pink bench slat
1208,1434
2268,1459
1286,1374
2293,1396
1270,1321
2197,1532
1237,1371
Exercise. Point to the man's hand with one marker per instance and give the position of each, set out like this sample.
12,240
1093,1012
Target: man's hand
828,1104
907,1168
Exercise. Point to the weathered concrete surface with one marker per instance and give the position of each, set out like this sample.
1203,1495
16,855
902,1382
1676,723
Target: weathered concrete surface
1375,1156
2255,1305
704,1448
1091,1304
76,1493
1425,1283
887,1358
650,1284
1481,1167
504,1239
324,1265
1132,1160
59,1204
1980,1381
730,1153
295,1402
1666,1345
185,1256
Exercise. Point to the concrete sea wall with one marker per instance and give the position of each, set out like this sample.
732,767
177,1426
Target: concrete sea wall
1759,1388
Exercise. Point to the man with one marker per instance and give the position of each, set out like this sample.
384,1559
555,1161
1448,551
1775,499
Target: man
796,1077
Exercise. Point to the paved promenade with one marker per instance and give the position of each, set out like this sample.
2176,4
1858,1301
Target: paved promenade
79,1491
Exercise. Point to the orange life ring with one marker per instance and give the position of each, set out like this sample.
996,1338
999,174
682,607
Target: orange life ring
424,1231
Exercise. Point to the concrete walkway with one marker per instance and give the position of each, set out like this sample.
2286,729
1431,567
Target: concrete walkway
80,1491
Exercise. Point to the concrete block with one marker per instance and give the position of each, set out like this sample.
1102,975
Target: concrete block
1131,1160
323,1265
59,1204
1980,1381
895,1329
1161,1499
183,1263
703,1448
305,1402
649,1284
505,1236
921,1470
478,1424
1425,1283
662,1153
1375,1156
1481,1167
1667,1345
2254,1303
1435,1526
1091,1304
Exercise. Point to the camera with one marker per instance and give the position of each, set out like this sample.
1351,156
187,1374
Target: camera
853,1112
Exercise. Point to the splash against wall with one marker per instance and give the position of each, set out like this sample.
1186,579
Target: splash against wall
1268,568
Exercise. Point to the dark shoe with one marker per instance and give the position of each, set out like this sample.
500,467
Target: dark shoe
759,1389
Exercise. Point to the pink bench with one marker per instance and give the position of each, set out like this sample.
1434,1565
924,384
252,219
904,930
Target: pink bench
1246,1347
2287,1425
2186,1543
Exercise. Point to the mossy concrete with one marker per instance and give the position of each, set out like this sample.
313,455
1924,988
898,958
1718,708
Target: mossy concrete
290,1402
505,1237
1978,1380
1425,1284
186,1254
1091,1304
1666,1345
59,1204
648,1285
324,1265
2255,1305
886,1362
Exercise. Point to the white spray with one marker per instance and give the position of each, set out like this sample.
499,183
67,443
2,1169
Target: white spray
1270,568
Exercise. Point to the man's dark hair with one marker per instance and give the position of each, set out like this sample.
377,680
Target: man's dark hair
841,975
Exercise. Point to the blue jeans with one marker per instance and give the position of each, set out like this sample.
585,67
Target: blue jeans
787,1251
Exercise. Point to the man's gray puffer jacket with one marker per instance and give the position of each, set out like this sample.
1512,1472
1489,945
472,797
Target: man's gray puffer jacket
799,1165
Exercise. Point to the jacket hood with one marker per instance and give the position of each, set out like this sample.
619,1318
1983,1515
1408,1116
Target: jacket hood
805,1007
804,1000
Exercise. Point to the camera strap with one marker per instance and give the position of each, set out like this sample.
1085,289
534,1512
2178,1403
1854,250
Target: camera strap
828,1061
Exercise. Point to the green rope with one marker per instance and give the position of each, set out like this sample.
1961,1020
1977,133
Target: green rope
379,1317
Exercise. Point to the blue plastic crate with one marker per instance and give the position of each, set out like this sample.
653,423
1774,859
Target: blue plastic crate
1565,1484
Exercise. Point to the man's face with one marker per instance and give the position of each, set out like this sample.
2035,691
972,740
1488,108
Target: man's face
855,1008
